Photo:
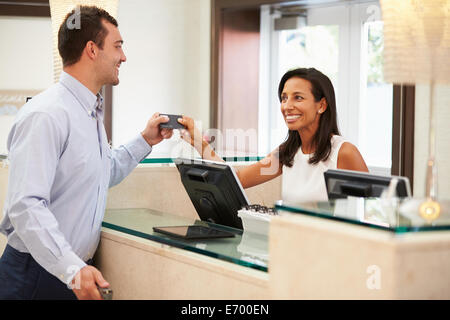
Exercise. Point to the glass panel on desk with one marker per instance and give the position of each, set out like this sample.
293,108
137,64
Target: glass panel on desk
246,249
246,159
396,215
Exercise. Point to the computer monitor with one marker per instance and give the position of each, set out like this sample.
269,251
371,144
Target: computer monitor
344,183
214,189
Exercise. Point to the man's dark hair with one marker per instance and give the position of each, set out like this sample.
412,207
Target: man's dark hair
321,88
72,38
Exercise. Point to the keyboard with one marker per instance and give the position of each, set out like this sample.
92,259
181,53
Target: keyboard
255,218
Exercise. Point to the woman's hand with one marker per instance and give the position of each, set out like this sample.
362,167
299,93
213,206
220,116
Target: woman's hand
191,134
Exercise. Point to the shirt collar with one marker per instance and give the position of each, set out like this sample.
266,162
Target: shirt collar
89,101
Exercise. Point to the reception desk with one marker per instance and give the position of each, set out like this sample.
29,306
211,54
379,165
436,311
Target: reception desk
311,252
142,264
359,249
142,268
138,268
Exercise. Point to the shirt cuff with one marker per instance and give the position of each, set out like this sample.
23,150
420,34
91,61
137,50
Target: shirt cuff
67,267
138,148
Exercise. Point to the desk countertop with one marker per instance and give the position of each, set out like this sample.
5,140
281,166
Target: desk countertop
245,248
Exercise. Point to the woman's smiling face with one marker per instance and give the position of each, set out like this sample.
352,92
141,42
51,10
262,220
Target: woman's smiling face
298,106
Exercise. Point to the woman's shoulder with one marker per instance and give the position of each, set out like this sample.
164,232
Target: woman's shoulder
350,158
347,149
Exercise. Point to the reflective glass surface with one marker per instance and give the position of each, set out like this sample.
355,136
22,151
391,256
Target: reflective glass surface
246,249
396,215
226,159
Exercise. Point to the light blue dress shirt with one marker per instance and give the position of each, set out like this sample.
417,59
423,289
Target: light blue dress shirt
61,166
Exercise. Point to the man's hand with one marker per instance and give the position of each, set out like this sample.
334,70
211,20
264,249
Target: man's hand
152,133
86,281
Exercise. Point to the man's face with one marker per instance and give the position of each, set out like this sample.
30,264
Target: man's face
111,56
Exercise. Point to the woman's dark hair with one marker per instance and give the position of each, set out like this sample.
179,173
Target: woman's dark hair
82,24
321,87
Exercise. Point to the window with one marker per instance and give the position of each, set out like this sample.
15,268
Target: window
345,42
375,140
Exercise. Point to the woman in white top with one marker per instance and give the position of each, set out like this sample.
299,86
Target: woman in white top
313,144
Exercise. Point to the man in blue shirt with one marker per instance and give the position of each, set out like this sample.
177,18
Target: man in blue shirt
61,167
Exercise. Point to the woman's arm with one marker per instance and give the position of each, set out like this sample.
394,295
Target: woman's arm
195,138
252,175
349,158
260,172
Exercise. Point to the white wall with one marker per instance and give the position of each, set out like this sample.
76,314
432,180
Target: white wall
3,184
167,44
26,61
442,111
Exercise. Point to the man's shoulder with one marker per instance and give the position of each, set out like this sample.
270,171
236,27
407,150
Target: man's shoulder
52,101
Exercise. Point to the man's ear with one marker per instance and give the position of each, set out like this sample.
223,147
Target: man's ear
91,50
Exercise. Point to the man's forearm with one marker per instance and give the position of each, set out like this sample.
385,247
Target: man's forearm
125,158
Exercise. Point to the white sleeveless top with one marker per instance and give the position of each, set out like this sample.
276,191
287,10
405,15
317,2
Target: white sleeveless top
305,182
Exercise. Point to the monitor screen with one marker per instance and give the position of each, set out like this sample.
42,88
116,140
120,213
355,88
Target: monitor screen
344,183
214,189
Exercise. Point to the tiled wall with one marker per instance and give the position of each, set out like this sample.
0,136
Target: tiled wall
160,188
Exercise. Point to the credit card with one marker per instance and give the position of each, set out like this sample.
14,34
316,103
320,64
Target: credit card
173,122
